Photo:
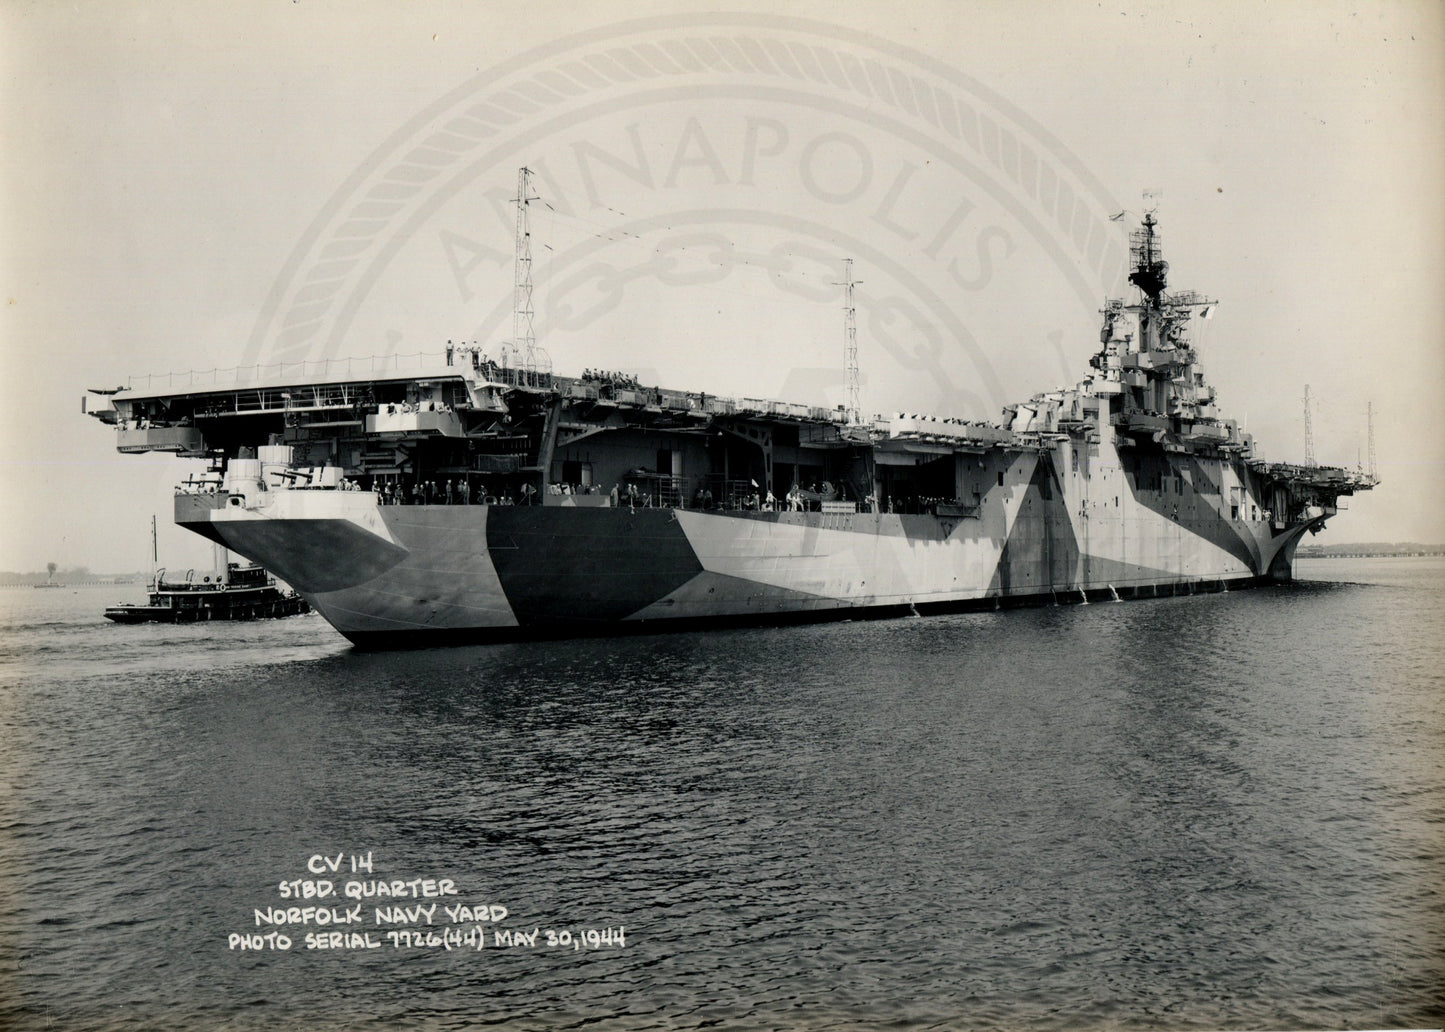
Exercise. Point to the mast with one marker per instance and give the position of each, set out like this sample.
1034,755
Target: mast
523,332
1151,272
850,345
1370,436
1309,431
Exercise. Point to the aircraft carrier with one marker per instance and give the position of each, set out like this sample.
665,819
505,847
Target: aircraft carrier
473,495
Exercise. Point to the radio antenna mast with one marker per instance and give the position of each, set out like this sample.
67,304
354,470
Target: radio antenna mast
1370,437
850,344
1309,431
524,335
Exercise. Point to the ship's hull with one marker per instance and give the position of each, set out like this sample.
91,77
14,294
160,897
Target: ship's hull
395,576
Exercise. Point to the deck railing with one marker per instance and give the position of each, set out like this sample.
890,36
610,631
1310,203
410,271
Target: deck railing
240,376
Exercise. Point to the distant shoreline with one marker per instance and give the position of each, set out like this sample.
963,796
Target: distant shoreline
1345,552
89,582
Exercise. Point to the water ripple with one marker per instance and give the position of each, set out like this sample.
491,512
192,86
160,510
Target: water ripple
1220,811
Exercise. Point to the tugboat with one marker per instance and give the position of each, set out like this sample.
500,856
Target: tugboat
235,592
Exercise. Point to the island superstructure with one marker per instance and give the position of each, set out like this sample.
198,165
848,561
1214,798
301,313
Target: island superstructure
474,495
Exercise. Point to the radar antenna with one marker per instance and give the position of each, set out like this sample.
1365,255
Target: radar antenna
1151,272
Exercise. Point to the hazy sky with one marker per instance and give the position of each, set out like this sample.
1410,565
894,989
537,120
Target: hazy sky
176,178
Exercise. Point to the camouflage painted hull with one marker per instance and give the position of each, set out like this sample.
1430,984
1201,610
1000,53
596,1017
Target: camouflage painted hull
397,576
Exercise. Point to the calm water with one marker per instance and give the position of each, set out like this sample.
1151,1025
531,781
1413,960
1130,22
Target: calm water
1225,811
